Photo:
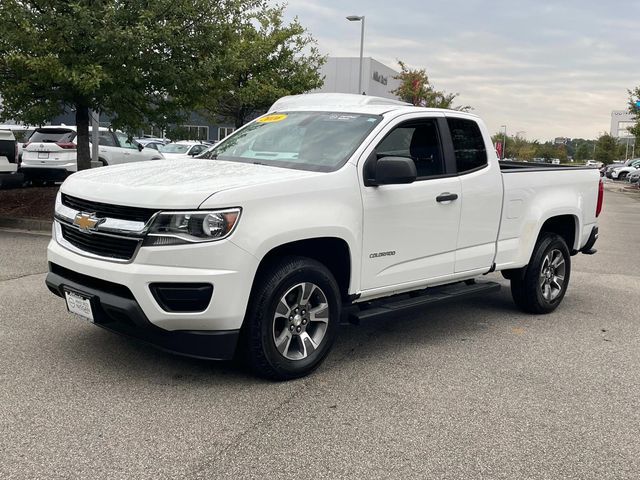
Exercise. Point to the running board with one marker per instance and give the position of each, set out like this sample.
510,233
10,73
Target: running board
395,304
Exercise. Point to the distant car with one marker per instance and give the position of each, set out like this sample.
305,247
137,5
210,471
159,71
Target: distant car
22,134
634,177
593,163
209,153
8,153
183,149
621,173
555,161
154,145
51,154
146,140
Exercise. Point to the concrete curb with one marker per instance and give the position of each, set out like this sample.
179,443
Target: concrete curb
26,224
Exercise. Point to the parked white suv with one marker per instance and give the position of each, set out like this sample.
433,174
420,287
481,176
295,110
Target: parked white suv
620,173
51,154
183,149
8,153
329,208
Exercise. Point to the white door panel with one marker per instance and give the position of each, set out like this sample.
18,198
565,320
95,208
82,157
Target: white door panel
481,201
408,235
479,218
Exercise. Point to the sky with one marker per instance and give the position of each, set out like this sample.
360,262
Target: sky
545,69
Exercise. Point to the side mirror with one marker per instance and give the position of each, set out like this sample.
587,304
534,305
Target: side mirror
140,147
394,171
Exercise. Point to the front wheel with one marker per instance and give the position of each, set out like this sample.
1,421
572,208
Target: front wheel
292,319
546,278
622,176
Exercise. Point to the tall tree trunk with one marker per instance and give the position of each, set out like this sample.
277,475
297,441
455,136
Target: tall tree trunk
238,121
82,124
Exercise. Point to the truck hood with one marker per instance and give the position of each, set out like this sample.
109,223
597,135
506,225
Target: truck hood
171,184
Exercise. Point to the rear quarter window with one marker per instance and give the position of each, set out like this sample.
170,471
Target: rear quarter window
468,144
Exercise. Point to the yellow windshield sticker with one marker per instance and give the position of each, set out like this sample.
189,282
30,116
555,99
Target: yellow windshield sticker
275,117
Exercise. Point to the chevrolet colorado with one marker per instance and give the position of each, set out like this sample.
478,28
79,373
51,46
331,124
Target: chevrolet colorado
329,207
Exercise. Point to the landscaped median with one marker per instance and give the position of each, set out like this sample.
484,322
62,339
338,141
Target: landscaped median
27,208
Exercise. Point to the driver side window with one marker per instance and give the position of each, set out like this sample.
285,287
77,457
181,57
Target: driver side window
418,140
123,140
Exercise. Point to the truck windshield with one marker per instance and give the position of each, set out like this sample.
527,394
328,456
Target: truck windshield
316,141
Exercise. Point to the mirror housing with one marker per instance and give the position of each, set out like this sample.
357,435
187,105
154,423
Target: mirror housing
394,171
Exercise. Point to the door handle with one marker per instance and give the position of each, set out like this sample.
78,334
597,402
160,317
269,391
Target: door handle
446,197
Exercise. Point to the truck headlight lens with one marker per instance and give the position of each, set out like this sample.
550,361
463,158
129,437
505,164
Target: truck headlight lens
176,228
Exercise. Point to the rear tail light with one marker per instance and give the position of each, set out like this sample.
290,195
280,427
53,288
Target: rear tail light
600,198
67,145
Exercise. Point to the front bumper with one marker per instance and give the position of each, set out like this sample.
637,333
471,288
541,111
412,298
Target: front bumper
115,308
224,265
45,174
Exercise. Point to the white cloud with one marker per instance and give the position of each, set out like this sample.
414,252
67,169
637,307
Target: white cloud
549,68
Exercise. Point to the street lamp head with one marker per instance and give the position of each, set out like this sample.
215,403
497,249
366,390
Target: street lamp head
354,18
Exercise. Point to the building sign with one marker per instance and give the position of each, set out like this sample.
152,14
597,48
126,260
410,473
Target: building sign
380,78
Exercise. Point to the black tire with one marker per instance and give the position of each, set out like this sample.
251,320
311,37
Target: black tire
622,176
261,324
528,293
103,162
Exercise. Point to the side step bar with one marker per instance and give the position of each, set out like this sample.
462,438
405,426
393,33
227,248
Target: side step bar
402,303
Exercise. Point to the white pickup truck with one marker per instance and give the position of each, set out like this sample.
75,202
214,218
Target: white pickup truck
328,208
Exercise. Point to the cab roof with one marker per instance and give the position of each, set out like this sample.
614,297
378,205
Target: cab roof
349,103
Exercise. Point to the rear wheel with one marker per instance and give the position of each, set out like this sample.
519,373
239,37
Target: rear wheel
546,278
292,319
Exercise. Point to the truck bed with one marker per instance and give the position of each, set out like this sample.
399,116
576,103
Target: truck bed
511,167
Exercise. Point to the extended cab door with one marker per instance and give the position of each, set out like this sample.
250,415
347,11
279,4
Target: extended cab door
482,192
410,231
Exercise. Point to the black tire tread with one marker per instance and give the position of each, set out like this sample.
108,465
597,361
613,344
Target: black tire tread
524,288
268,282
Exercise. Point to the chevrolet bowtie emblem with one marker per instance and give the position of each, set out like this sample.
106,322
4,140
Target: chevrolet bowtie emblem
87,221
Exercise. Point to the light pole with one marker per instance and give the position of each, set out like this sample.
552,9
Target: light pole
356,18
504,141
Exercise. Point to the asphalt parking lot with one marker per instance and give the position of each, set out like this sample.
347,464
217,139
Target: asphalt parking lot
468,390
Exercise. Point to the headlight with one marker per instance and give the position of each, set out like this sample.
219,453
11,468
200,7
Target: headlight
177,228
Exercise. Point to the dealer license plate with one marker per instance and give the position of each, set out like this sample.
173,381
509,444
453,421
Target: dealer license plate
79,305
43,154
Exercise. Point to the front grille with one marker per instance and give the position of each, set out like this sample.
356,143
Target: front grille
103,210
99,244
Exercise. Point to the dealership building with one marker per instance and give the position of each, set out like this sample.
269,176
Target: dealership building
620,121
341,76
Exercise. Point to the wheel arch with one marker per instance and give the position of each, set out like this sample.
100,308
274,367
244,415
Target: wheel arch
566,226
332,252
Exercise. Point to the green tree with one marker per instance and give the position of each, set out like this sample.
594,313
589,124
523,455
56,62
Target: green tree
607,149
583,152
265,59
634,96
546,150
138,61
415,88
